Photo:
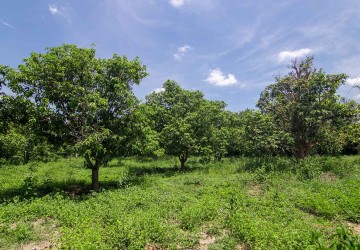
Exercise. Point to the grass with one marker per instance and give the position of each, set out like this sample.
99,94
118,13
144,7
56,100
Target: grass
260,203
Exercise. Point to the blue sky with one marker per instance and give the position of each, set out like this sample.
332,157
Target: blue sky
228,49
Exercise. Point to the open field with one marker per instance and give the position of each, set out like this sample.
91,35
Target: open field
244,203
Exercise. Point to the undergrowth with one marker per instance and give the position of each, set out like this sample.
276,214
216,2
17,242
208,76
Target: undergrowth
254,203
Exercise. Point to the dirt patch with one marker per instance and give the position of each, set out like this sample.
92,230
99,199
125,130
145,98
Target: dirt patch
154,247
256,190
38,223
47,228
241,246
355,227
38,246
328,176
174,222
13,225
319,226
205,241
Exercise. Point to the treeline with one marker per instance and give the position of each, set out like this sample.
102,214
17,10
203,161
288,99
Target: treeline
67,102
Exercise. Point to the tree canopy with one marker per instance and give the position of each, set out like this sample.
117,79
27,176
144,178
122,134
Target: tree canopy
305,104
85,101
66,102
186,121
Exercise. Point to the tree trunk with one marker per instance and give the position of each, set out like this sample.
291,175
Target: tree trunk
302,149
94,172
26,157
182,161
95,179
183,157
307,149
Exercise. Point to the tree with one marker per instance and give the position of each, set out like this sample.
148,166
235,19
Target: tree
351,137
260,135
213,129
15,134
173,111
82,100
184,121
303,103
146,141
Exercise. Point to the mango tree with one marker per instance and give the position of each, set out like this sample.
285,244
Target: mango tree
260,135
303,103
184,121
15,134
213,129
85,101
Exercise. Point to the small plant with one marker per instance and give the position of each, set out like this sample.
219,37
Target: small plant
29,186
17,233
261,174
343,239
149,205
123,181
309,169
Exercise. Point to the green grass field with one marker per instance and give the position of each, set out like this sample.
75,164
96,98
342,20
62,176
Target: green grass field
270,203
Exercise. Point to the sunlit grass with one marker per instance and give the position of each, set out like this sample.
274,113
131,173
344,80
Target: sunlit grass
271,203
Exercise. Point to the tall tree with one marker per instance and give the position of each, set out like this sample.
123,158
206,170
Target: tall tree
184,121
303,103
173,112
212,127
83,100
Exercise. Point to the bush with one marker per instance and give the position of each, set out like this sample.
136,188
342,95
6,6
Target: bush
13,147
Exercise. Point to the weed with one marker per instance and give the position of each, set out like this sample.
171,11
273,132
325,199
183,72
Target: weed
150,204
343,239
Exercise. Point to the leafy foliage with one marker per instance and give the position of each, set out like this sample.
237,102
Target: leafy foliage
187,123
67,102
262,136
82,100
151,204
304,103
342,239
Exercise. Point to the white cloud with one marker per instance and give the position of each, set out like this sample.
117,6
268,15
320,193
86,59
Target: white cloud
179,55
158,90
287,54
54,10
64,12
357,97
6,24
217,78
177,3
353,81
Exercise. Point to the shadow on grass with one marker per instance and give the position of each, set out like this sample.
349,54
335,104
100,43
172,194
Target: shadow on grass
164,171
80,189
73,189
